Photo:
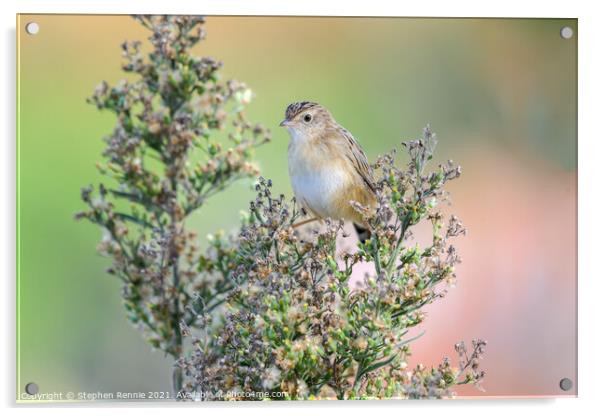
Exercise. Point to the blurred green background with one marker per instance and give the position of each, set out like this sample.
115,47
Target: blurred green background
500,93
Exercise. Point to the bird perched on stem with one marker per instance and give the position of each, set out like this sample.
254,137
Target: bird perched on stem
327,166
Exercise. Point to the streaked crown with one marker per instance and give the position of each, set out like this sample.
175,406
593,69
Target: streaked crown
295,108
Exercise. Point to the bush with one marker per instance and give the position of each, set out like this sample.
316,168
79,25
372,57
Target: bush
266,309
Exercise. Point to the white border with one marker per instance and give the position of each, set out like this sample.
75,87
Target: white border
590,186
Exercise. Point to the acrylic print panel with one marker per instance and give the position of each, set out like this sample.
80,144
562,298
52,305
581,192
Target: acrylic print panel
154,264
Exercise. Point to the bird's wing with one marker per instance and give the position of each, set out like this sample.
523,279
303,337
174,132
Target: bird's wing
358,158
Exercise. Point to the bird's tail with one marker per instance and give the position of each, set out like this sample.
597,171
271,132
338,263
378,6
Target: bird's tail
362,232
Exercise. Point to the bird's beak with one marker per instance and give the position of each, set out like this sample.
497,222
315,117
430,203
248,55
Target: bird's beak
284,123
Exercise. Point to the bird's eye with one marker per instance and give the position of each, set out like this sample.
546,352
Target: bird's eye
307,118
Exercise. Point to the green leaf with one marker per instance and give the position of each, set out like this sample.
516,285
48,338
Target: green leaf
131,218
378,365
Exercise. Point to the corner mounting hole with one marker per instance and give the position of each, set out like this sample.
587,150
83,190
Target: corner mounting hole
566,384
566,32
32,28
31,388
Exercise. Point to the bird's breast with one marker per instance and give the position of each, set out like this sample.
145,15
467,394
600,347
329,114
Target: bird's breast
318,178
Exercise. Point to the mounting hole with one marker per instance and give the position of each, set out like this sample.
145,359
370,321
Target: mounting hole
32,28
566,384
31,388
566,32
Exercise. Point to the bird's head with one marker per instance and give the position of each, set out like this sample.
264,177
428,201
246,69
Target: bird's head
305,118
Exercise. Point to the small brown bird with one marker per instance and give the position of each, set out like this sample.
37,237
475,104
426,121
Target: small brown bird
327,166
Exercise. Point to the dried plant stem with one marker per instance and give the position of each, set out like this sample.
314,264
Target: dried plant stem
299,224
175,322
398,247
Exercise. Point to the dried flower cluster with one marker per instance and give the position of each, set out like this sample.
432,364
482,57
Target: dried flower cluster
164,159
292,323
267,310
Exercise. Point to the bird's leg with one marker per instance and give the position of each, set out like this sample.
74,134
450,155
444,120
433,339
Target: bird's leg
299,224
